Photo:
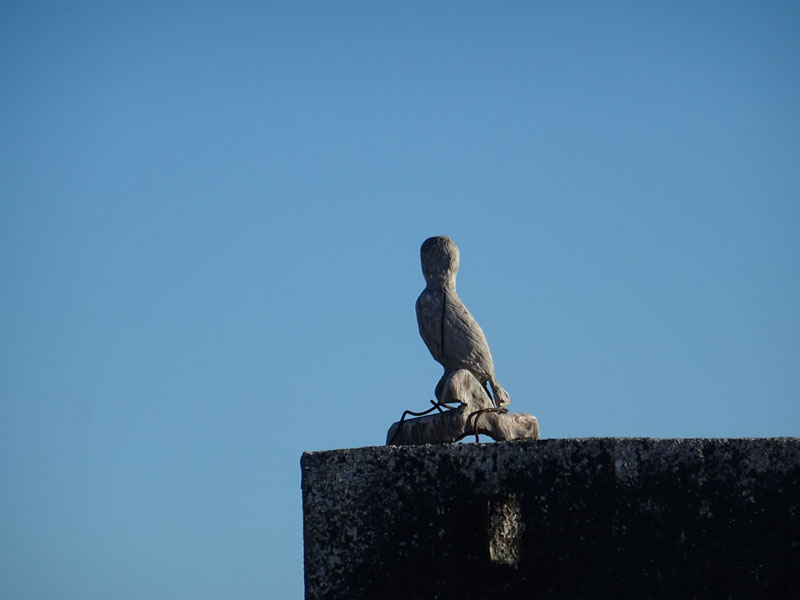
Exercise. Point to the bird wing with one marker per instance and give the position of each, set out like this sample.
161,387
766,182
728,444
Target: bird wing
465,344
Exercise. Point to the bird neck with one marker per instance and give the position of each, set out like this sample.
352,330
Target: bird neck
445,282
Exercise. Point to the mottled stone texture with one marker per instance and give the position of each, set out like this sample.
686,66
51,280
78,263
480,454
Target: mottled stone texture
606,517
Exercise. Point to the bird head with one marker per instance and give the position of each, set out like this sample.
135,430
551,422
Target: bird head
439,257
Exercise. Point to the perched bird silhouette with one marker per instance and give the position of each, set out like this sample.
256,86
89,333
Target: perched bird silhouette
452,335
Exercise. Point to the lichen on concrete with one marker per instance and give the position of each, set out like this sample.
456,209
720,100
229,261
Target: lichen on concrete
505,530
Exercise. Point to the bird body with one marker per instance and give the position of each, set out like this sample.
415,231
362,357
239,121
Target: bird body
450,332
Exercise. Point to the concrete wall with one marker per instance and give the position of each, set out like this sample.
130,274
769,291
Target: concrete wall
606,517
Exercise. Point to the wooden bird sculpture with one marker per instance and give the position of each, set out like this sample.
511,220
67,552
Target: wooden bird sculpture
452,335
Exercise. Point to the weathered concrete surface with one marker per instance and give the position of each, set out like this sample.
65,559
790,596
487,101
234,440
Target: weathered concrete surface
606,517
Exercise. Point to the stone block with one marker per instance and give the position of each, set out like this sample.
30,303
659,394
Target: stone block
603,517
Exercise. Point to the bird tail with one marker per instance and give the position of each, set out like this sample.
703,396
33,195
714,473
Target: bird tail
501,397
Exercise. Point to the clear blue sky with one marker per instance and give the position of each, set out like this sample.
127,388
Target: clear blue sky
210,219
